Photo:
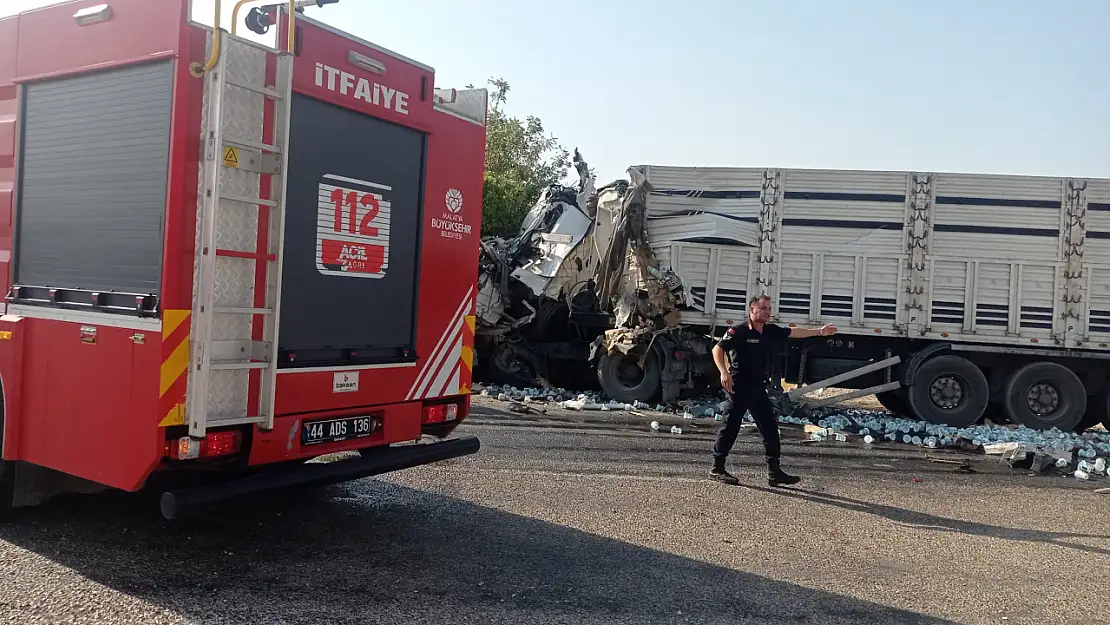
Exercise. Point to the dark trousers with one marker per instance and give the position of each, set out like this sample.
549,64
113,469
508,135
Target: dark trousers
754,400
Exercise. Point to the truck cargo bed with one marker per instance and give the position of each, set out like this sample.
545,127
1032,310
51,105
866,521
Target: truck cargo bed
981,258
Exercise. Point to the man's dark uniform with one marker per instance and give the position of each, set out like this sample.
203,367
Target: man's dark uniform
749,352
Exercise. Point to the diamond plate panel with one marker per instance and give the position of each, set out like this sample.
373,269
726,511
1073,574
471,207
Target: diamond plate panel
234,282
227,394
237,226
231,327
246,65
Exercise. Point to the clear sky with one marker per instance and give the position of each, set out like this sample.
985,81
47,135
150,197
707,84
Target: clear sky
994,86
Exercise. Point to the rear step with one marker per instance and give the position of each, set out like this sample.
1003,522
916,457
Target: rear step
302,474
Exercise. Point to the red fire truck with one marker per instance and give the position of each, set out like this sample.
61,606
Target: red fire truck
226,258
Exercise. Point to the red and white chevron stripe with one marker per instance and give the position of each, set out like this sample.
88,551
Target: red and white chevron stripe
442,374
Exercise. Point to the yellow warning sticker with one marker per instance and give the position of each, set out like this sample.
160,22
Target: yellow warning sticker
231,157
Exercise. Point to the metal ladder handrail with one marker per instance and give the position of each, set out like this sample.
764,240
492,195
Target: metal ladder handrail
197,70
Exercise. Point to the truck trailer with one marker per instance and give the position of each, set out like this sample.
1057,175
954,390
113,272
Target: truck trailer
223,258
957,296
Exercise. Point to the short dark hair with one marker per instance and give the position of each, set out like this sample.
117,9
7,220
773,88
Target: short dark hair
758,298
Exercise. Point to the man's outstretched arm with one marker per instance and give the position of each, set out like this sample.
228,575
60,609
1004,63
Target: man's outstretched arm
805,333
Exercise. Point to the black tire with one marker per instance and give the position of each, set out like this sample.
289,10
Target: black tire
996,413
895,401
949,390
1060,394
622,378
7,480
1098,409
512,364
1094,414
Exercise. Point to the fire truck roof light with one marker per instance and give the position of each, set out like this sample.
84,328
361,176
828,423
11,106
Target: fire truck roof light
365,62
93,15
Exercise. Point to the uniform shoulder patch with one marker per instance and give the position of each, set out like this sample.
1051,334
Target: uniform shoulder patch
731,331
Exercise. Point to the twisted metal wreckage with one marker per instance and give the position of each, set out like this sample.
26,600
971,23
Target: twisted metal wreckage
580,287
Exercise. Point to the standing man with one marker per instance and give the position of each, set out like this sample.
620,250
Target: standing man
743,357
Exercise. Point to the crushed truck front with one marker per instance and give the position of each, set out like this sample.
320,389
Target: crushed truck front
99,230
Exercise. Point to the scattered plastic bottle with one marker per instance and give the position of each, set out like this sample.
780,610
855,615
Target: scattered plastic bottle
655,426
1061,463
676,430
1082,475
869,439
1100,465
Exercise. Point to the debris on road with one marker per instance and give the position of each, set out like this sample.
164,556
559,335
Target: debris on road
1019,446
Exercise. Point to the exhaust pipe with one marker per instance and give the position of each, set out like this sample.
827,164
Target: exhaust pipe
384,461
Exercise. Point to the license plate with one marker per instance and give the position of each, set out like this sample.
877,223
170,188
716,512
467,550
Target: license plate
335,430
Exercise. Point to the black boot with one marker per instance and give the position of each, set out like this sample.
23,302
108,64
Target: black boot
718,473
777,477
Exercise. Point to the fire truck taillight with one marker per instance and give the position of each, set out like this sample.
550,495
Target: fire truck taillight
215,444
441,413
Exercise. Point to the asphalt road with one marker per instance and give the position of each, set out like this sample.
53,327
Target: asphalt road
585,519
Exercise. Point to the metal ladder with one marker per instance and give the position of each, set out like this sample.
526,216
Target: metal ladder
230,353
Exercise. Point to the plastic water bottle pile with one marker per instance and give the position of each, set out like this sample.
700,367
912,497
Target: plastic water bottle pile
572,400
1091,447
511,393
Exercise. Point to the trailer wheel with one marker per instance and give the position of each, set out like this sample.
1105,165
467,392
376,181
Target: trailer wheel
1098,409
949,390
895,401
1094,414
1044,395
623,379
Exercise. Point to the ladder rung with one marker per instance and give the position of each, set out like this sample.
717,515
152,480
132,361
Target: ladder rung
233,365
216,421
240,351
247,200
251,145
234,310
266,91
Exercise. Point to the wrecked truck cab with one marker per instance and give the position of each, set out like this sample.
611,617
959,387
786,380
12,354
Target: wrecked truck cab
578,297
537,306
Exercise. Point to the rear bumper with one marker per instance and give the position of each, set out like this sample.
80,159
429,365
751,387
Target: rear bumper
385,460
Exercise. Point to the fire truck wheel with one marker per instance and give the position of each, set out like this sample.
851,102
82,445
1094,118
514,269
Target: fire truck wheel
623,379
7,481
1044,395
949,390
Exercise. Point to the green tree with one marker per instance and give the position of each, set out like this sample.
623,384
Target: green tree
521,161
